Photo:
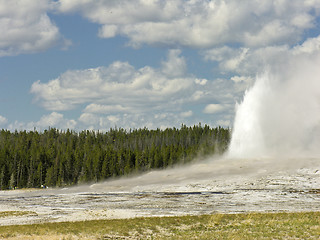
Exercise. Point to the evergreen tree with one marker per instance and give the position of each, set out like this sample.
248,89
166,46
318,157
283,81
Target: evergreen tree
57,158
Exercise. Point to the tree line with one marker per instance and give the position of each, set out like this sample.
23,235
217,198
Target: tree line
57,158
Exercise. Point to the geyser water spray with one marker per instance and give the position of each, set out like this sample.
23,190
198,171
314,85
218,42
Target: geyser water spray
280,114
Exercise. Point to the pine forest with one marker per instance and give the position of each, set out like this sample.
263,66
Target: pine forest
53,157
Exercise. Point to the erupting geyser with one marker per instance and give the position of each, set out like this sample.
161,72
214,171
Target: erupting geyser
280,114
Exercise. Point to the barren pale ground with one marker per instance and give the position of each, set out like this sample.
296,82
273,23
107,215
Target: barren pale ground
212,186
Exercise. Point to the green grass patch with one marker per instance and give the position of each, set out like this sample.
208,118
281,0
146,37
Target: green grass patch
216,226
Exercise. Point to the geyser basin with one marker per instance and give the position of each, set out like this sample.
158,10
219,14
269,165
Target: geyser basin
223,185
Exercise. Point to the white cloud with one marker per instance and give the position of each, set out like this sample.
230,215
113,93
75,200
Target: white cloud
197,95
233,63
26,28
224,123
246,63
229,59
238,79
88,118
264,32
53,119
113,119
199,23
3,120
16,125
175,65
309,46
186,114
104,109
108,31
213,108
219,54
117,87
50,120
122,95
134,120
201,81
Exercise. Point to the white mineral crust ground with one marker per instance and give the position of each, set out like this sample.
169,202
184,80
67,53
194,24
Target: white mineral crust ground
206,187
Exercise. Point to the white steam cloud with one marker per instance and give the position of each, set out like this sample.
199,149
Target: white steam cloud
280,114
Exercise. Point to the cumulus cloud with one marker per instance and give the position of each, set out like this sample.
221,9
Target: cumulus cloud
103,109
241,37
151,120
186,114
213,108
175,66
224,123
120,94
89,118
309,46
117,87
246,63
199,23
239,79
53,119
3,120
26,28
201,81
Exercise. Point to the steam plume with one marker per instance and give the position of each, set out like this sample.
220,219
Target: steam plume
280,114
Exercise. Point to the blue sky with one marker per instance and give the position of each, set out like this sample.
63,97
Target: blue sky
95,64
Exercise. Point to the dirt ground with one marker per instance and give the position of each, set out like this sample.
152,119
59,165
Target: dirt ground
214,185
